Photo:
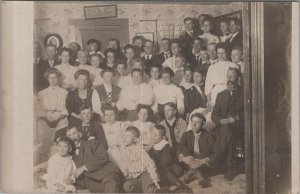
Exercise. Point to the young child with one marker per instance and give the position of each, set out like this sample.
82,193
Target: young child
180,63
59,177
155,74
237,58
204,60
136,165
207,36
164,159
144,125
96,60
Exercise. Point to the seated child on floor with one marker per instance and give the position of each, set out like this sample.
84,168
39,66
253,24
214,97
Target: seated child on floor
137,166
164,158
59,177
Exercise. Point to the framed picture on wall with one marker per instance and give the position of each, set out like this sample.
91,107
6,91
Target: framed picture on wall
147,35
100,11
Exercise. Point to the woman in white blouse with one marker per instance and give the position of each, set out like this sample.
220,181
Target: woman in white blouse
144,125
67,71
167,92
113,130
51,110
216,78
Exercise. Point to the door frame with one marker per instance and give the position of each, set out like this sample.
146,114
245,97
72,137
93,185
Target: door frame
253,30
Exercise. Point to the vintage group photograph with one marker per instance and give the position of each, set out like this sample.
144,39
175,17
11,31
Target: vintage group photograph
164,97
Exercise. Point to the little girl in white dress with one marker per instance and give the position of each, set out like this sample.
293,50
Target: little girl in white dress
61,168
144,126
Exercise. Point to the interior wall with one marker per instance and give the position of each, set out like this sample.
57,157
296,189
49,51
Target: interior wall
53,17
277,30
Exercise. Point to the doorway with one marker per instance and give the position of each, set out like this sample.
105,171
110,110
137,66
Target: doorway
101,29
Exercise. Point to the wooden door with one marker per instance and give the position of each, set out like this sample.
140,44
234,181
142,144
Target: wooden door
103,30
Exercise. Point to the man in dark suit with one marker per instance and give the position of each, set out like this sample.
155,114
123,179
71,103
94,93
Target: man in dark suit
196,149
186,38
43,65
148,59
236,39
90,128
165,46
228,114
194,57
94,170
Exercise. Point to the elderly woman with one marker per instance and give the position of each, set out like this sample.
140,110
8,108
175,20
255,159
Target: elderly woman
51,110
216,78
107,93
67,70
80,97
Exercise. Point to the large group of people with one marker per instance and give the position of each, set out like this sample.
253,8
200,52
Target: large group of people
135,120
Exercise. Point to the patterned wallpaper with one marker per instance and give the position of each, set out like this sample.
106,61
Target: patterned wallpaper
52,17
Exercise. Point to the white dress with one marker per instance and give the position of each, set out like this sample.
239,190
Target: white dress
68,71
216,78
145,129
113,136
59,170
209,38
50,104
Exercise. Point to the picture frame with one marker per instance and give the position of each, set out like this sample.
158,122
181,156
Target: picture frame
55,39
100,12
146,35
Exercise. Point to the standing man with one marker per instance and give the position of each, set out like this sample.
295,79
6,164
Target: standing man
236,39
165,48
148,58
194,57
186,38
43,65
228,115
74,48
94,170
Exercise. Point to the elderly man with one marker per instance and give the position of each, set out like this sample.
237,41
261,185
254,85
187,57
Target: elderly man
135,94
94,170
228,115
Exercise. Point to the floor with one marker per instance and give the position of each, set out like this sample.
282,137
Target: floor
218,184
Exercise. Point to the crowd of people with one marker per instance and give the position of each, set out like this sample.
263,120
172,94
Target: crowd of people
135,120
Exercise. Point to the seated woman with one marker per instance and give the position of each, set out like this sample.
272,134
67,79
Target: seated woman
109,58
187,82
51,111
78,98
216,78
106,93
113,130
167,92
67,71
144,125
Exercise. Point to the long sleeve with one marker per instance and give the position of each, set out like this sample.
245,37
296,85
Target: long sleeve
208,81
216,113
183,146
96,103
70,103
150,165
101,135
100,156
180,101
147,95
165,157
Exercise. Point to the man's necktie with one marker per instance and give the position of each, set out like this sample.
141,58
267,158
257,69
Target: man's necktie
196,144
166,56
